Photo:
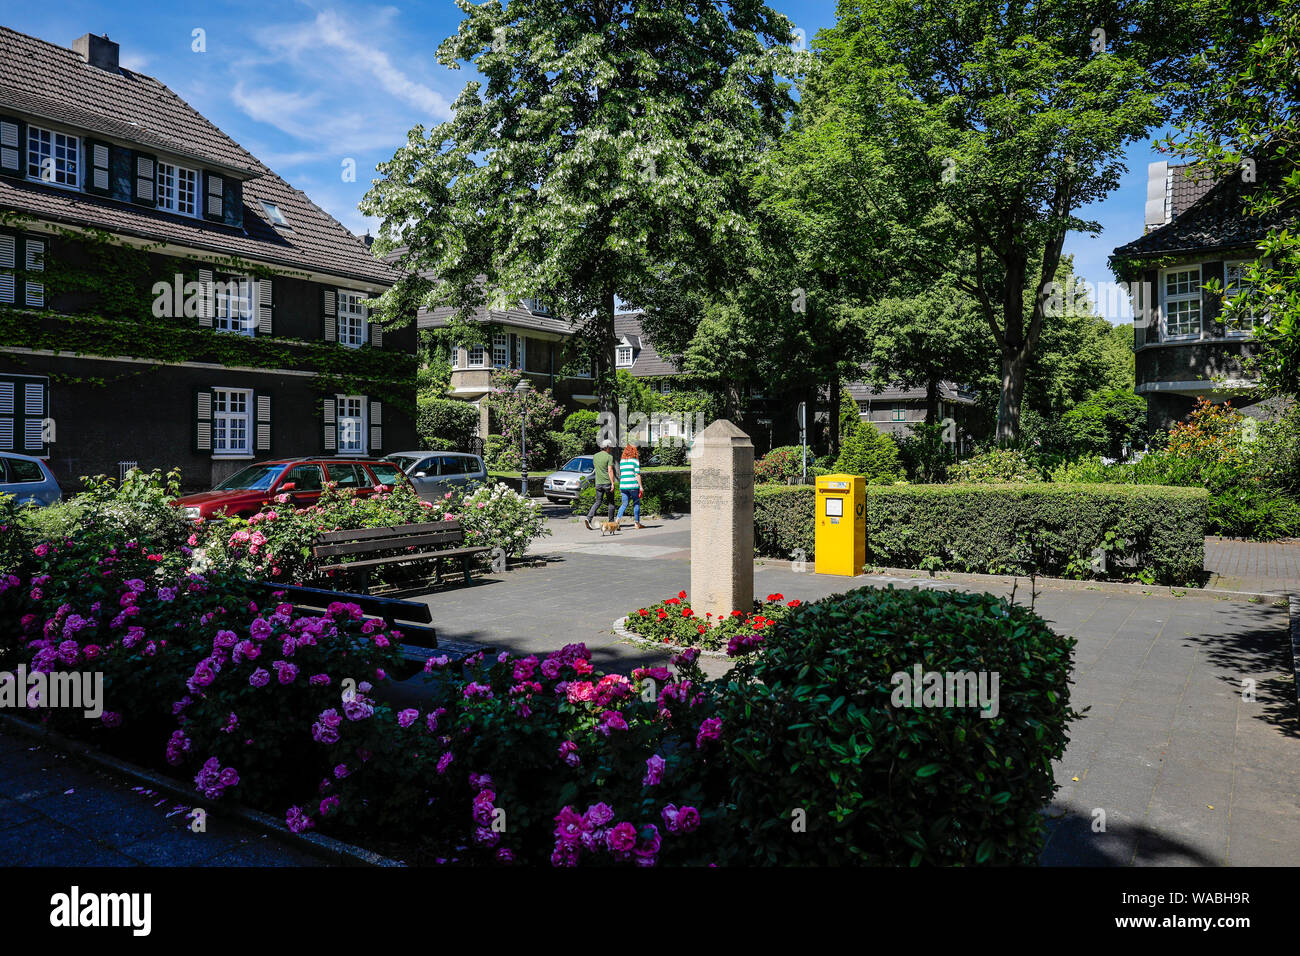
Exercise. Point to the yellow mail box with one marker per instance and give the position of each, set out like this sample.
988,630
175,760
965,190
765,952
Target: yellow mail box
841,524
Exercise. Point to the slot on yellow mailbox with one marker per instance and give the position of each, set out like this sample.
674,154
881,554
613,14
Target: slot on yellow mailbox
841,525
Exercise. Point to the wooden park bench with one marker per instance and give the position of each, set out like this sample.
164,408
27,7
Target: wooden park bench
435,541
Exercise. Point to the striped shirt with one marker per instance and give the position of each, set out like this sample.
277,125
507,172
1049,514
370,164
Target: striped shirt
628,470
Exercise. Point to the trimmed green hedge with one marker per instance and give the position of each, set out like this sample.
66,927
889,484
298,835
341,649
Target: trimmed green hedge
666,493
1151,533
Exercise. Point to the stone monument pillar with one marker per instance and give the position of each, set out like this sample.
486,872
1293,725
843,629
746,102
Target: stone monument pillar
722,520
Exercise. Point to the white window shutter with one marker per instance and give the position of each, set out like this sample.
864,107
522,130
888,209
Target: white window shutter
263,412
329,315
8,260
376,427
203,420
6,434
330,435
207,307
34,261
6,398
10,157
144,173
376,334
265,306
99,167
215,188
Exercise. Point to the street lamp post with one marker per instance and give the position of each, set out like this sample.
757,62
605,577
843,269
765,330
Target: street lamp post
522,390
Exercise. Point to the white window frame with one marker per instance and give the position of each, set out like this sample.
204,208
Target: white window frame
476,356
1230,289
1166,299
500,350
455,358
618,356
54,134
232,305
222,420
351,314
521,352
168,177
341,416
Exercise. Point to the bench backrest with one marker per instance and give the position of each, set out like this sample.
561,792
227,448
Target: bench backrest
365,540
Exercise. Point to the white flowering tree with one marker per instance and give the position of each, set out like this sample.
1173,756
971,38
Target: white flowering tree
603,149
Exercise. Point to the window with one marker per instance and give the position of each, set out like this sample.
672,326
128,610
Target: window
232,414
583,368
28,255
233,305
53,157
352,319
348,476
455,357
1181,294
352,424
900,413
386,474
21,470
520,351
477,357
500,350
623,356
178,189
305,478
1235,283
451,465
274,214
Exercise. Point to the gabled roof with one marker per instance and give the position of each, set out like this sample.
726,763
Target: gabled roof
519,317
646,361
43,81
948,392
1214,220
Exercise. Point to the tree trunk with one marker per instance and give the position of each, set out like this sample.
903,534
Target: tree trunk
931,402
1015,363
605,370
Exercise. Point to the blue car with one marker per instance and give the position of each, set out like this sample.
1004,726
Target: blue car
28,480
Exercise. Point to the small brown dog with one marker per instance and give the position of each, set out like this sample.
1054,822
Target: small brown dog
609,527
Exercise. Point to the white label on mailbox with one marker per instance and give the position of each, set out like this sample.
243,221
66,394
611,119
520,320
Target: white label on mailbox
834,507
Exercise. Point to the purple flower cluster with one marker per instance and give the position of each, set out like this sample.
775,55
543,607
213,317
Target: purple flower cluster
212,781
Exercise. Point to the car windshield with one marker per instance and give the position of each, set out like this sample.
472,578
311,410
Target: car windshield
252,478
580,464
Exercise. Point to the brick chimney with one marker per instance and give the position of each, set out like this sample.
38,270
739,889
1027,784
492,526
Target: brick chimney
97,51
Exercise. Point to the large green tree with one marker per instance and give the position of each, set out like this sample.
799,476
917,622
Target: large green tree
1010,118
604,153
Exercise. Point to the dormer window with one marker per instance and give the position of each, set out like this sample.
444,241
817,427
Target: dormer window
275,215
623,356
53,157
178,189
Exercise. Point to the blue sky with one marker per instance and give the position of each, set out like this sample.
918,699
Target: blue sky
306,86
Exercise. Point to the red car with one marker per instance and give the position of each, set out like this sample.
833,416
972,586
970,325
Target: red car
247,491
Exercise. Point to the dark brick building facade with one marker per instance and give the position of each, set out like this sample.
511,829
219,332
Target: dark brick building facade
166,300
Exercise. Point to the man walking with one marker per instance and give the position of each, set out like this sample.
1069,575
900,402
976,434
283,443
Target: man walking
605,482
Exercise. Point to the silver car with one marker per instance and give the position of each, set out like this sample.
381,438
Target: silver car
434,473
28,480
567,483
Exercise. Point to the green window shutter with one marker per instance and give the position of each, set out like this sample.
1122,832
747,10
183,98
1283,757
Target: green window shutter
330,428
262,425
329,311
207,307
33,263
144,189
13,135
10,286
203,420
99,168
376,427
265,307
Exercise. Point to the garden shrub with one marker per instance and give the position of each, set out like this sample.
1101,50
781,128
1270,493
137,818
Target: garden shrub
500,454
672,453
812,726
872,454
585,425
782,465
995,466
444,423
925,454
1145,532
666,493
564,446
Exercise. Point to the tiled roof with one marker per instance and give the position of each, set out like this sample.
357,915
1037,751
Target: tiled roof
520,317
1187,183
645,360
1215,220
948,392
44,80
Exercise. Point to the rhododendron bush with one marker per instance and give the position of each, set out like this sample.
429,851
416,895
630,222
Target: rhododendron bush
675,622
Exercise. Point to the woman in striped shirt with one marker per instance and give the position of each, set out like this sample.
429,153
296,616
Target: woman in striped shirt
629,483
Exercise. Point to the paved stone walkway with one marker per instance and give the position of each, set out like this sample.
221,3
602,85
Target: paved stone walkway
1236,565
56,811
